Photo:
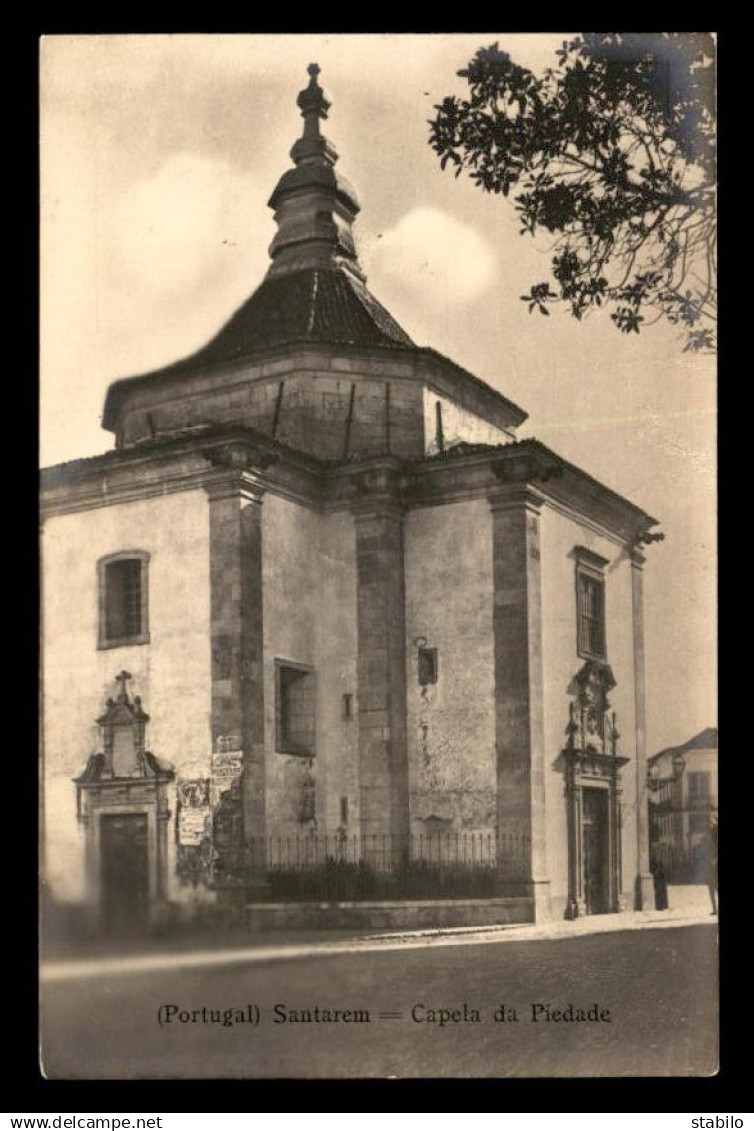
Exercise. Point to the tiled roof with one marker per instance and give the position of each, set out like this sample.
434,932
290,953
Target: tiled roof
705,740
465,448
311,305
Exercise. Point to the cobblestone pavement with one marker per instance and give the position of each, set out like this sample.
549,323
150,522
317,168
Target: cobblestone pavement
658,986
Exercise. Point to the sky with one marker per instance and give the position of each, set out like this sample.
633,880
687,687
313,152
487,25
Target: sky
158,157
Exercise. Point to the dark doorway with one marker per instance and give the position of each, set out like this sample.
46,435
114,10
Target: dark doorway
124,855
596,875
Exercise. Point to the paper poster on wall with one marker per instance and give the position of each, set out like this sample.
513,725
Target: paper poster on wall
193,811
226,768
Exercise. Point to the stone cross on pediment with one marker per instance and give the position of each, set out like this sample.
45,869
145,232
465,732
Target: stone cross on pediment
122,678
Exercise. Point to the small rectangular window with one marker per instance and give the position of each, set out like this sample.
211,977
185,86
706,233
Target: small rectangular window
699,785
348,706
123,604
427,666
123,600
344,810
295,709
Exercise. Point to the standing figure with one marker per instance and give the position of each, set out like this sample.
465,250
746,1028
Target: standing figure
660,884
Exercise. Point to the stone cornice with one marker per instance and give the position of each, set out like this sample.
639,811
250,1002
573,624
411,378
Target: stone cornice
97,491
269,363
234,482
184,381
181,463
241,454
516,496
188,461
520,465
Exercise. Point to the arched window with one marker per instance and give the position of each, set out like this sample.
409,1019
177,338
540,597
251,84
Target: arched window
123,599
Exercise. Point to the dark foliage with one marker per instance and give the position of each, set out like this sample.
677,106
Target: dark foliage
612,151
416,879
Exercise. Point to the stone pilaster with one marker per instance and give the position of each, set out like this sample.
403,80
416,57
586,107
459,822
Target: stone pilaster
235,501
381,620
644,889
576,906
616,835
519,722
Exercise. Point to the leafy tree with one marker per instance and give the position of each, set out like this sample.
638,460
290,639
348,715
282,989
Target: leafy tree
612,151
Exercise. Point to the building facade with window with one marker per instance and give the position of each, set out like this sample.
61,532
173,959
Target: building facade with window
682,805
320,593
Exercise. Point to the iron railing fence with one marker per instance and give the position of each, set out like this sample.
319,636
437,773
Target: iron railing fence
682,865
682,850
426,866
387,852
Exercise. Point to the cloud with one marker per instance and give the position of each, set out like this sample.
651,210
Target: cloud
178,252
432,253
136,276
173,229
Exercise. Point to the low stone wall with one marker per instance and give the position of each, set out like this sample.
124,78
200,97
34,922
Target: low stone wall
71,925
408,914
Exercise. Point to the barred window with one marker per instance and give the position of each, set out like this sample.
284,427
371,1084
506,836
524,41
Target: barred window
590,602
591,616
123,600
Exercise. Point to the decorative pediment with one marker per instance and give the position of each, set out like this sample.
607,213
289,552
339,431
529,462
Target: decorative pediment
124,754
123,714
594,680
591,724
95,767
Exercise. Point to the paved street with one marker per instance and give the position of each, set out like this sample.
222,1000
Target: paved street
658,986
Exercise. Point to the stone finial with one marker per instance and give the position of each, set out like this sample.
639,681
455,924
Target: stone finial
314,206
313,103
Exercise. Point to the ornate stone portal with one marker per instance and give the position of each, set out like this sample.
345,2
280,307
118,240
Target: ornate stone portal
121,799
593,790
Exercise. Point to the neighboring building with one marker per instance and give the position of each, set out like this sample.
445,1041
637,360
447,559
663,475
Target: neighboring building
342,606
681,803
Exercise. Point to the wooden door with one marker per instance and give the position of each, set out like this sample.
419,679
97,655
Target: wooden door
596,851
124,858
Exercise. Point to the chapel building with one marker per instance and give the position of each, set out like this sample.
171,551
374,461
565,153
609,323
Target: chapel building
320,594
